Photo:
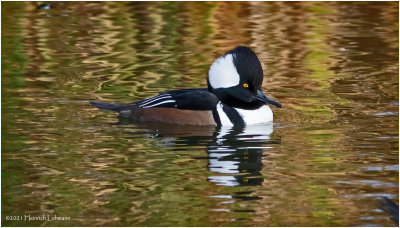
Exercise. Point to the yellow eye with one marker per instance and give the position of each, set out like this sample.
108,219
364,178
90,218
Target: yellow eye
245,85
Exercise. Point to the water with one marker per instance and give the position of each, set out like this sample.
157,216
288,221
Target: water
328,158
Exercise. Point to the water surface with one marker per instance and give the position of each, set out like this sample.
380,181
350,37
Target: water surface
328,158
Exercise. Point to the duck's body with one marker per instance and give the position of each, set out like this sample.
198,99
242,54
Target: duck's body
233,97
184,107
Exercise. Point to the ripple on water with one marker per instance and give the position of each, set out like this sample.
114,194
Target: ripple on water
333,148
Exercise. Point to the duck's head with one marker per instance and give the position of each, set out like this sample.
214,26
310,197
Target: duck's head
236,80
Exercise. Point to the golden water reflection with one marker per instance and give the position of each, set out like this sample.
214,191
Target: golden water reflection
332,151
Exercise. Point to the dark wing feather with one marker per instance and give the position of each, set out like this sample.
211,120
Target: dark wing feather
186,99
112,106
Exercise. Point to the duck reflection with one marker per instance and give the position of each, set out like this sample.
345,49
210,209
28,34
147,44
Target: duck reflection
235,156
234,153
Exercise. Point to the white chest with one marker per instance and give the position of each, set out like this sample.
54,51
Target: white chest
257,116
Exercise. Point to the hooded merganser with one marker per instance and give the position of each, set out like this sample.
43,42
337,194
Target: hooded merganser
233,97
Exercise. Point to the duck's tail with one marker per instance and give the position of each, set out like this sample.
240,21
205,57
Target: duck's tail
112,107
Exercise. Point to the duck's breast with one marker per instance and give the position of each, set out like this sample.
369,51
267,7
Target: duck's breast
258,116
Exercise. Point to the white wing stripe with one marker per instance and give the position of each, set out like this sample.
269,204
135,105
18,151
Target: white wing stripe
156,97
156,104
151,100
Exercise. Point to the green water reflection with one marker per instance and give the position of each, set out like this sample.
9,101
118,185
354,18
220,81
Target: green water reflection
332,151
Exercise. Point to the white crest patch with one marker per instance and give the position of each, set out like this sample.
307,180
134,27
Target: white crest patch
223,73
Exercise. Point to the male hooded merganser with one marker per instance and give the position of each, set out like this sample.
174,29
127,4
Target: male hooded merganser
233,97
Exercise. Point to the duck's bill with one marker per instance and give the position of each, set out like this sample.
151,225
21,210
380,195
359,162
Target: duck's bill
264,98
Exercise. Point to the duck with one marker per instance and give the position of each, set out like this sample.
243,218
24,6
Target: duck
234,97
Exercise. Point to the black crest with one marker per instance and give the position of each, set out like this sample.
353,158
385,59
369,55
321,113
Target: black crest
248,66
